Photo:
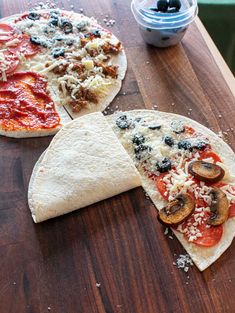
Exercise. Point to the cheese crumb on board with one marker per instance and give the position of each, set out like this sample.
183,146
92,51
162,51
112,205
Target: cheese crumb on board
183,262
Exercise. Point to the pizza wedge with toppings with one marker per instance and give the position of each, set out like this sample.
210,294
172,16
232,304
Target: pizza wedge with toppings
81,63
189,173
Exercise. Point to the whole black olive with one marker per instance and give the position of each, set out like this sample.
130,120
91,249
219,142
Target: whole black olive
176,4
162,5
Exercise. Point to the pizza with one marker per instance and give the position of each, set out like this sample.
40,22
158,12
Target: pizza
186,169
55,65
189,173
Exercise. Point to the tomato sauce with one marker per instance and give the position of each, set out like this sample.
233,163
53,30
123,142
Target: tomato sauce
25,104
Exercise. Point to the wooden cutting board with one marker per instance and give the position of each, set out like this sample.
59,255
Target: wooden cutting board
113,256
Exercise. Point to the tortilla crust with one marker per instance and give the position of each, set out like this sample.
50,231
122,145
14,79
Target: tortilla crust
85,163
201,256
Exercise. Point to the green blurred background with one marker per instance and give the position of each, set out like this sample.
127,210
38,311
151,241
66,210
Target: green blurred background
218,16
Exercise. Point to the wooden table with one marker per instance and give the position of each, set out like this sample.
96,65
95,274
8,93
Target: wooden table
113,256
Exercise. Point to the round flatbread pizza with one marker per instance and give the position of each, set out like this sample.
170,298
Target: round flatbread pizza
189,173
55,65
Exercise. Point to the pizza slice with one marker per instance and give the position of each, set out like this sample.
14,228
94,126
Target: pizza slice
189,173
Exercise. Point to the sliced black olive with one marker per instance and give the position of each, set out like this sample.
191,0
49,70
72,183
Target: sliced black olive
142,152
192,143
177,127
54,13
66,26
162,5
138,119
205,171
123,122
138,139
163,165
53,22
69,42
200,144
168,140
39,41
58,38
34,16
153,127
36,40
96,33
82,26
177,210
219,207
184,144
58,52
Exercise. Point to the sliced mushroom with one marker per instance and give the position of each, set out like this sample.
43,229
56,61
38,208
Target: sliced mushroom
205,171
177,210
219,207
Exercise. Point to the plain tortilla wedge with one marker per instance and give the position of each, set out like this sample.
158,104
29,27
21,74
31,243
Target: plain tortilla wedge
85,163
202,257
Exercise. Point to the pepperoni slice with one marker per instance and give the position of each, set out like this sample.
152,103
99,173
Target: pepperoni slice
25,47
6,32
10,63
209,154
210,235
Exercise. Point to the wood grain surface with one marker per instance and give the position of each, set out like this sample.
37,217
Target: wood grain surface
113,256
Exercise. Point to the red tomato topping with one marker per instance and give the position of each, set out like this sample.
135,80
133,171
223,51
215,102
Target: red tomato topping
210,235
189,130
161,186
25,47
11,62
6,32
231,212
209,154
24,103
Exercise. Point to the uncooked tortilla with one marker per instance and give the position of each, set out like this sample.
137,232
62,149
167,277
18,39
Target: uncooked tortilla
85,163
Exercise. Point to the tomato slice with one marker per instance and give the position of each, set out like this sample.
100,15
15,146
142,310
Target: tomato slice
210,236
231,212
161,186
189,130
209,154
25,47
11,62
6,32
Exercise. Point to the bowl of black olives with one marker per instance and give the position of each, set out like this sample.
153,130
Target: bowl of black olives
163,23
